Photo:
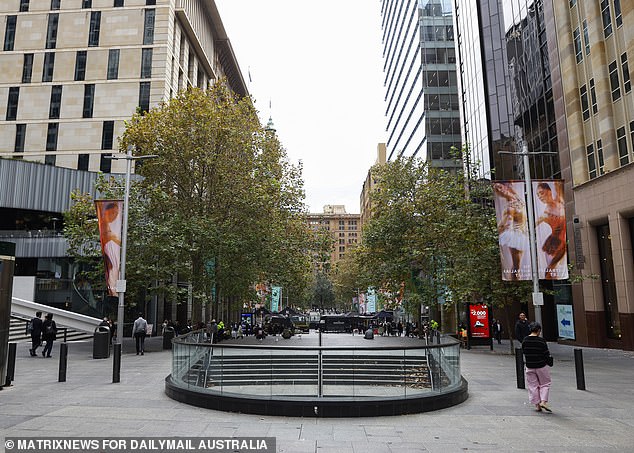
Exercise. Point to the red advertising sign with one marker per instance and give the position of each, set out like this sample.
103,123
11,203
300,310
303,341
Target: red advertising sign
479,321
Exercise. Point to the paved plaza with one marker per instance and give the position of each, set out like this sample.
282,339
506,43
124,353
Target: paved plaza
496,417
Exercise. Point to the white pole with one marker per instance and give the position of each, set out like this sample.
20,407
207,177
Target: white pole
121,283
537,300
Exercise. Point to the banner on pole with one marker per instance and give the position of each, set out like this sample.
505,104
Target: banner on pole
512,223
550,229
371,301
275,298
109,218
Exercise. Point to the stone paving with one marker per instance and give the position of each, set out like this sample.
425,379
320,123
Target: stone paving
496,417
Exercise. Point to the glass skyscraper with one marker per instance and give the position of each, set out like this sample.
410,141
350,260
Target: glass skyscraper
421,90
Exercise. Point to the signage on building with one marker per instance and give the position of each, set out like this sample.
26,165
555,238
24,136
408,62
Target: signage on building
565,322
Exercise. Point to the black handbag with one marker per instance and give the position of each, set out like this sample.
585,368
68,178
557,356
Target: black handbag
549,360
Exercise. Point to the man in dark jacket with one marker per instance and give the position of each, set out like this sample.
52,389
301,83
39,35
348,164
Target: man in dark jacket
49,334
522,329
36,333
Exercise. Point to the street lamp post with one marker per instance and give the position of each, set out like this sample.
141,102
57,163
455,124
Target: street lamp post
121,282
538,297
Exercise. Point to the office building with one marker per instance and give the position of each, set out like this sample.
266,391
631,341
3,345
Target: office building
369,186
344,229
71,73
556,75
421,92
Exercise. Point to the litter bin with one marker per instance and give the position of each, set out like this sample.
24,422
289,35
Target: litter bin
101,343
168,335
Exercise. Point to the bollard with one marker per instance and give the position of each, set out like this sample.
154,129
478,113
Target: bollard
63,361
116,363
519,368
581,378
437,337
11,363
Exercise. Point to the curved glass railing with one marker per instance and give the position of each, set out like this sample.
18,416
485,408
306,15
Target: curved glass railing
278,372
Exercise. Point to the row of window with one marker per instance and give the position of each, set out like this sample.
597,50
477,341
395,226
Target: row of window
56,100
93,33
594,152
55,4
615,87
107,136
112,72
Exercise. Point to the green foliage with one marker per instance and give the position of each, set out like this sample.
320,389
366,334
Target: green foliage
434,233
219,206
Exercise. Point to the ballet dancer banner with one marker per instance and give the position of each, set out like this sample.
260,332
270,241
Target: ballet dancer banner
109,216
550,229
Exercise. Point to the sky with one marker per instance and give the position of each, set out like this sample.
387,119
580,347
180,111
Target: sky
316,68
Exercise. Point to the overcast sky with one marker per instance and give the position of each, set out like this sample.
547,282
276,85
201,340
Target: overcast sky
319,65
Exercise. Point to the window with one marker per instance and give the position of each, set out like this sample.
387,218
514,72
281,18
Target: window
107,134
55,4
342,248
27,68
105,164
20,135
82,162
95,25
118,3
86,3
89,99
113,64
146,63
49,65
80,65
626,73
12,103
593,97
24,6
592,165
622,146
51,137
600,160
572,3
585,107
577,39
51,31
632,134
150,2
607,19
617,13
614,81
9,32
144,96
586,37
49,160
56,102
148,27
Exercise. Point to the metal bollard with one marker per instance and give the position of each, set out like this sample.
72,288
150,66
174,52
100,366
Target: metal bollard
581,378
63,361
116,363
11,363
519,368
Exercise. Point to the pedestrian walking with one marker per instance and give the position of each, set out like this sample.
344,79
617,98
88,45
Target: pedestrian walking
49,334
497,330
36,333
139,330
538,360
521,328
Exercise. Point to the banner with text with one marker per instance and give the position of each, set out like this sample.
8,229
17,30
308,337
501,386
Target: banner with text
550,229
109,217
